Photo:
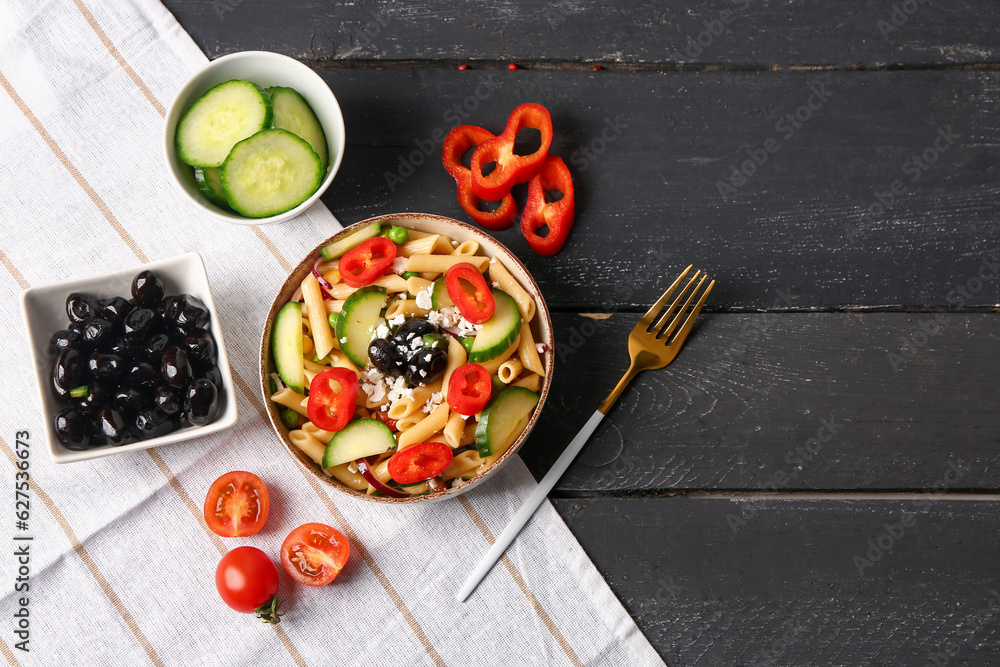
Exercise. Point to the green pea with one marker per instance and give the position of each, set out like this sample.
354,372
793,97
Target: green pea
410,274
398,235
290,418
333,319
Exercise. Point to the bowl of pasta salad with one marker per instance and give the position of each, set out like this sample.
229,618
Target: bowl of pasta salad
406,358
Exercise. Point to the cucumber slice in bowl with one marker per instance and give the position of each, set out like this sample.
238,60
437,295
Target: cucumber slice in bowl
225,115
359,318
209,181
293,113
360,438
269,173
504,419
499,331
354,239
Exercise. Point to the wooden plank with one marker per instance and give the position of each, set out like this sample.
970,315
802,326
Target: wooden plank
762,33
780,403
785,587
807,224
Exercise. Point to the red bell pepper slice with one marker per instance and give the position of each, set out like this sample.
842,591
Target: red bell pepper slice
469,389
510,168
362,265
557,216
332,397
419,462
468,289
458,141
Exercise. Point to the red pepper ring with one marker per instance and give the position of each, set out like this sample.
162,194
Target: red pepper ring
458,141
469,389
360,266
420,462
332,397
476,303
510,168
557,215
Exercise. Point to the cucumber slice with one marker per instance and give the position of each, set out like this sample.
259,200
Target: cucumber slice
360,438
286,346
352,240
225,115
504,419
439,295
499,331
209,181
293,113
359,318
269,173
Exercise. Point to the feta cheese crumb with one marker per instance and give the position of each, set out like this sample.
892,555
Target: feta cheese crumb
416,343
398,264
396,321
424,299
454,243
381,331
423,373
496,284
433,402
343,341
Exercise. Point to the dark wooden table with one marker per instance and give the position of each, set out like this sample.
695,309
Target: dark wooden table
814,481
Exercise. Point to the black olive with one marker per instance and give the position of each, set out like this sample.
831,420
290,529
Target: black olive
106,364
153,422
72,429
213,375
188,312
111,424
144,376
175,367
76,327
426,365
201,402
99,334
69,370
147,289
140,324
386,357
64,339
167,399
127,349
95,397
81,307
168,308
155,346
413,328
200,347
115,309
128,400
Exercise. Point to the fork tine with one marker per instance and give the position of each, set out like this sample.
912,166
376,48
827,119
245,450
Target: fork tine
689,322
673,324
670,311
648,317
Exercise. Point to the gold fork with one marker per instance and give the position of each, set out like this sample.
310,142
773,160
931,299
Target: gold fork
653,343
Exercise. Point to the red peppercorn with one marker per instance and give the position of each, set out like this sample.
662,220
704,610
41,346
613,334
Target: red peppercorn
463,67
512,67
597,67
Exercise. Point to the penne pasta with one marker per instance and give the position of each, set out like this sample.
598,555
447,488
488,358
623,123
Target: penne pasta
466,248
418,246
319,325
308,444
415,285
406,422
406,308
463,464
532,382
350,479
527,351
491,365
457,356
441,263
426,427
509,370
289,398
454,430
501,276
317,432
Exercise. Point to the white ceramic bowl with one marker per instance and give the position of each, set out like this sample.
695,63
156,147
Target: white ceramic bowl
265,69
541,329
44,311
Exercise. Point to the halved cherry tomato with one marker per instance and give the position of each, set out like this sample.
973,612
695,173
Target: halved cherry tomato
247,581
314,554
419,462
362,265
237,504
468,289
332,397
469,389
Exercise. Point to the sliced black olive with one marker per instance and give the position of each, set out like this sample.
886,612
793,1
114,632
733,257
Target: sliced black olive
99,334
112,425
426,365
147,289
201,402
115,309
69,371
140,324
81,307
72,429
106,364
64,339
200,347
175,366
386,357
167,399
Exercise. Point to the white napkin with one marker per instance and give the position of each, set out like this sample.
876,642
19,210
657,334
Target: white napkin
121,564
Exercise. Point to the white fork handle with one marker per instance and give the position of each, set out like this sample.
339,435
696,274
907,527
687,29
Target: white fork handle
529,507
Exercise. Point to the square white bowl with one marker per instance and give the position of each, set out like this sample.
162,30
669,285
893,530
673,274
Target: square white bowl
44,311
